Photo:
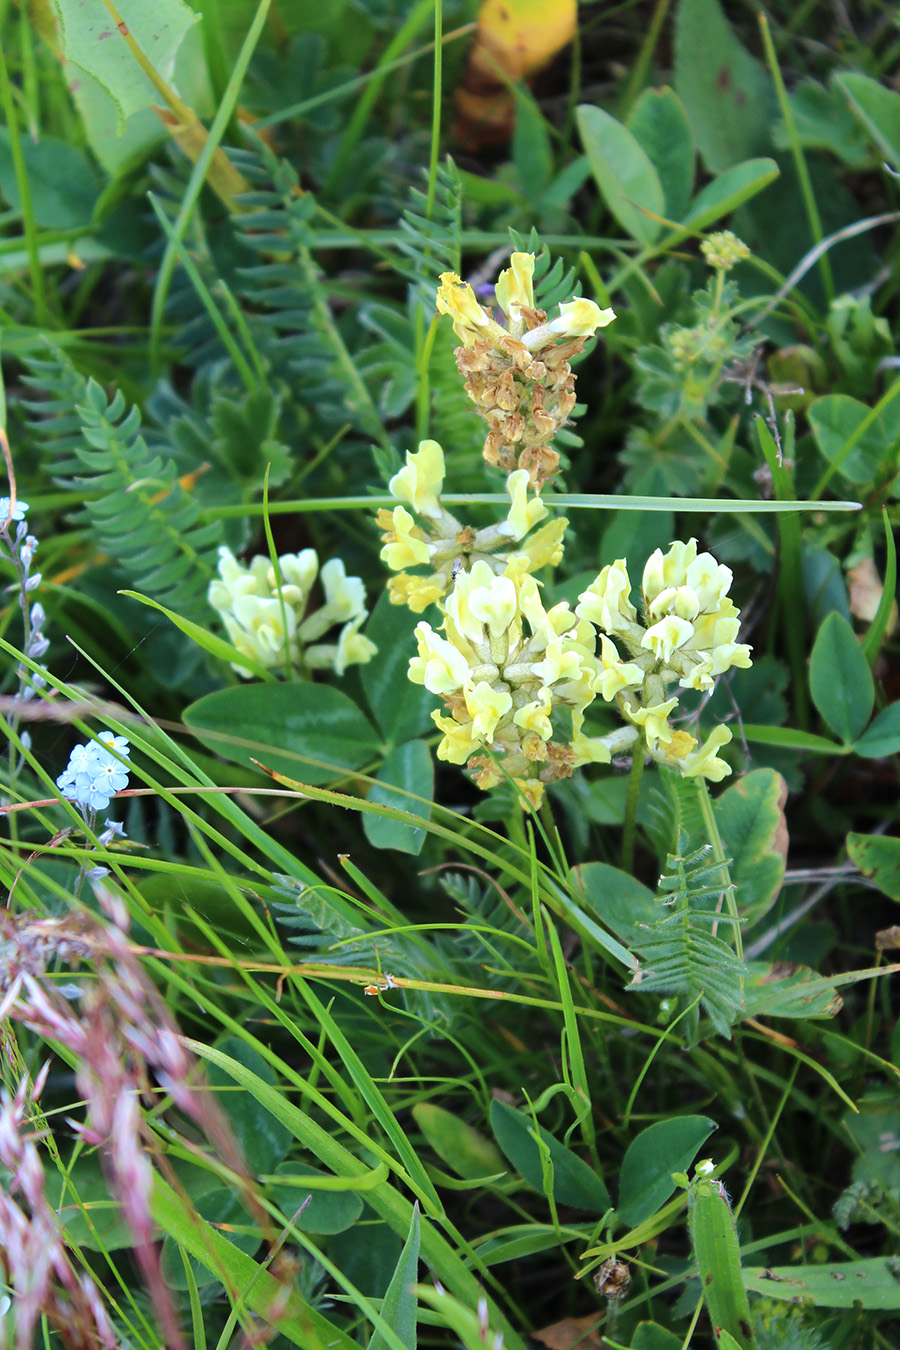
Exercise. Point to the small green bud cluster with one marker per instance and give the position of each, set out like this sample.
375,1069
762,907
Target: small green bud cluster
723,250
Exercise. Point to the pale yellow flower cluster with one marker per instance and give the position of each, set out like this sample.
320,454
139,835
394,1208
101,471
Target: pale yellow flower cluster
723,250
519,376
428,536
504,664
270,624
506,667
688,635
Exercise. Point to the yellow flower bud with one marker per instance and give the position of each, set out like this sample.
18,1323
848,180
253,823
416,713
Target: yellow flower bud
515,285
419,483
408,547
456,298
524,513
486,705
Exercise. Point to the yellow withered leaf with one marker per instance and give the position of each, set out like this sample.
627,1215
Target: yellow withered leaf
522,35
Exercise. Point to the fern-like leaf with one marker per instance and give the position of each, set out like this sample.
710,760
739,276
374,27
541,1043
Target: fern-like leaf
680,956
138,511
432,243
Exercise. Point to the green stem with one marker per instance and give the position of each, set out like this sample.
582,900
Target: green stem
631,804
715,839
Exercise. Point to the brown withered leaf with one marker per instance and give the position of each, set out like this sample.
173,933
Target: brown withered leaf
866,589
572,1333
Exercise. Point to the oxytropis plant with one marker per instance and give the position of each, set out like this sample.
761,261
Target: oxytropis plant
517,677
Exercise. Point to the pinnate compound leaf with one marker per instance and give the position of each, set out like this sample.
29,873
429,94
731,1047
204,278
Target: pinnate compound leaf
574,1183
750,817
92,41
726,93
285,727
625,175
840,681
665,1147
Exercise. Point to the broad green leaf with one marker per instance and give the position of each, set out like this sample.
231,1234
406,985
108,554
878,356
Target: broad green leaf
101,1227
878,108
399,1306
823,121
873,1283
750,817
401,709
727,94
840,681
881,737
406,769
729,191
62,182
92,42
616,898
660,125
574,1183
459,1145
718,1255
531,150
886,610
850,438
651,1336
297,1321
645,1182
878,857
783,989
328,1211
263,1140
285,726
624,173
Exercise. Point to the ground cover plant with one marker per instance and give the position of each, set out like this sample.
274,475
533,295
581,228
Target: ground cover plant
450,674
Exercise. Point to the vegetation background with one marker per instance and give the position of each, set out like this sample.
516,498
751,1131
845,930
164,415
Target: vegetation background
362,1055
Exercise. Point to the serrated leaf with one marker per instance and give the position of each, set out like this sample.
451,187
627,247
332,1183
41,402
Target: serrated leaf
285,727
574,1183
623,171
645,1182
840,680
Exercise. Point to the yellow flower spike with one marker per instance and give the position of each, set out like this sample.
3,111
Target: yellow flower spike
417,593
580,318
495,604
486,705
710,580
458,743
524,513
470,322
457,602
532,789
408,547
419,483
654,722
680,600
606,602
667,636
515,287
616,674
535,716
440,666
703,763
587,749
669,569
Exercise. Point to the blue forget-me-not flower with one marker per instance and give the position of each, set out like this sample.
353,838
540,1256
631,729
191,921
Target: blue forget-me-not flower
95,772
